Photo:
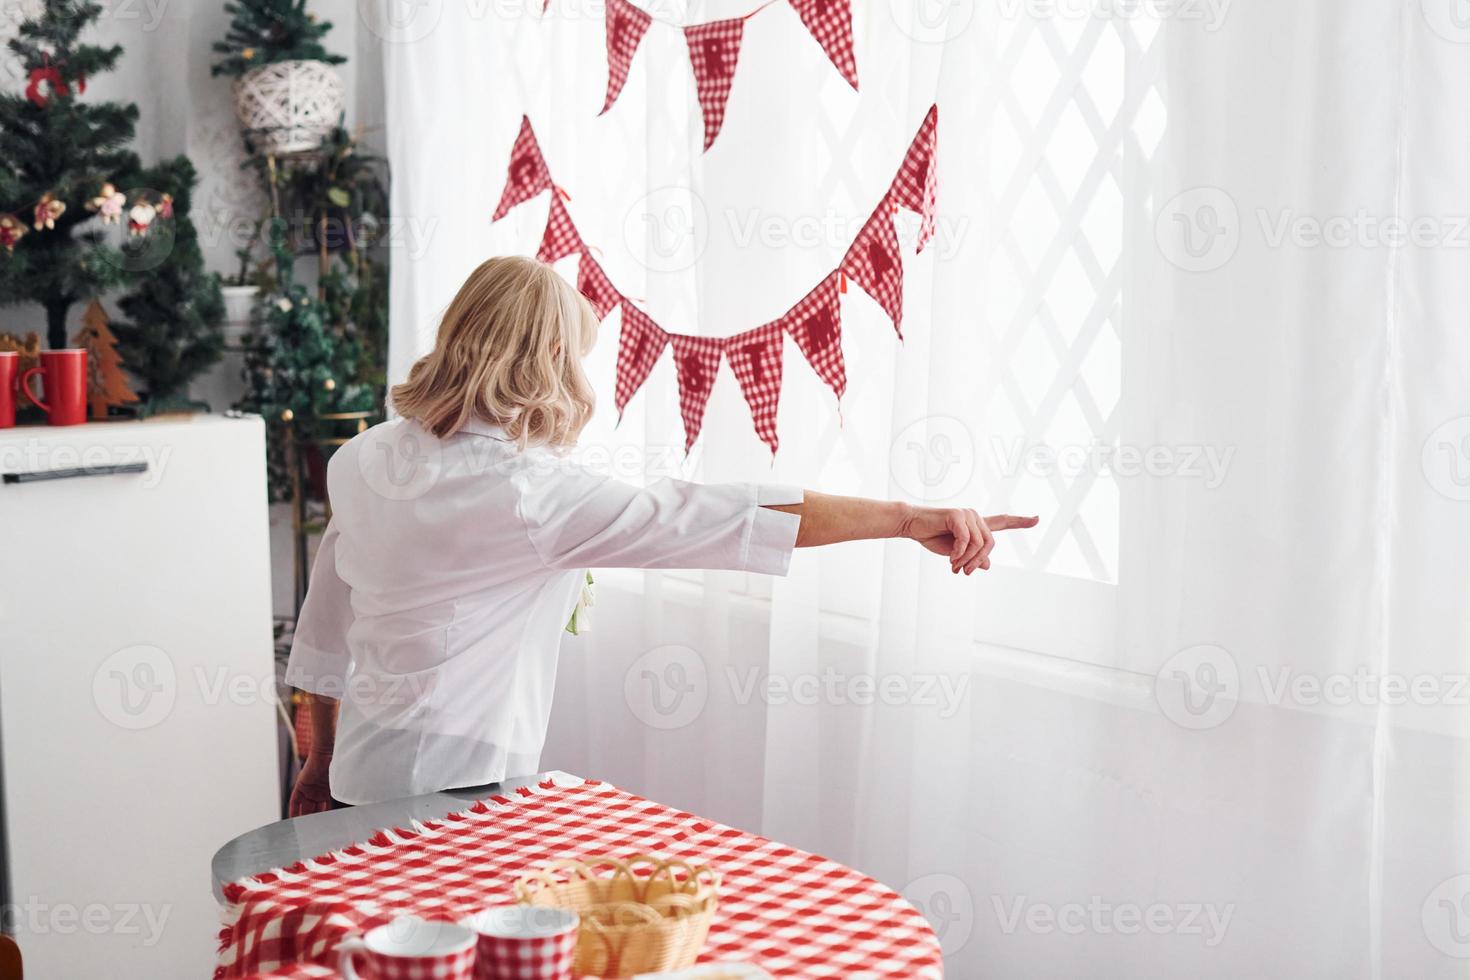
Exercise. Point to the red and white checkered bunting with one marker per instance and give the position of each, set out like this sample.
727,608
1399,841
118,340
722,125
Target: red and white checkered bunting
874,262
560,238
714,49
830,22
791,913
755,357
639,345
527,174
815,324
696,359
916,186
626,25
594,284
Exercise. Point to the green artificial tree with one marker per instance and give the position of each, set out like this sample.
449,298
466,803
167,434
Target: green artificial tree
263,32
172,326
62,161
300,363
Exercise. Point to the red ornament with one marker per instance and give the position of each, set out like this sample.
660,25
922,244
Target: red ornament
916,186
51,78
11,232
527,174
626,25
830,22
815,324
873,261
755,357
696,359
639,345
713,51
560,238
594,284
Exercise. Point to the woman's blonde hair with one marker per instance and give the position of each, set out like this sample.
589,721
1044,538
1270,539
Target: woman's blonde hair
509,351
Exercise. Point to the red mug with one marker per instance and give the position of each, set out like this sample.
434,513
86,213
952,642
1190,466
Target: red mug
64,376
9,362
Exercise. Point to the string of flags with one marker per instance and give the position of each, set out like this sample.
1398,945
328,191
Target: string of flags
714,49
814,324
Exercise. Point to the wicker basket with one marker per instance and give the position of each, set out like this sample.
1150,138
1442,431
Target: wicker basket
641,915
289,106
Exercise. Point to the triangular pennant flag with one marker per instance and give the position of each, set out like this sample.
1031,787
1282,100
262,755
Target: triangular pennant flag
527,174
916,185
755,357
830,22
815,324
560,237
594,284
714,49
696,359
874,262
625,27
639,345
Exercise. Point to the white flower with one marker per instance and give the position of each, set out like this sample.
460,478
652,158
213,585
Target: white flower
283,304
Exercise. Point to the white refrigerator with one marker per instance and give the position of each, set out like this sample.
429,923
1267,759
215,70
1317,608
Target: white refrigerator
137,686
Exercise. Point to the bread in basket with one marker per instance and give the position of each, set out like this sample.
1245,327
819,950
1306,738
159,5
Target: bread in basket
639,915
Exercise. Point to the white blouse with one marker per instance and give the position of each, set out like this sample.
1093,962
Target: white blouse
444,581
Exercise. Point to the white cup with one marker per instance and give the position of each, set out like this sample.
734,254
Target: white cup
410,947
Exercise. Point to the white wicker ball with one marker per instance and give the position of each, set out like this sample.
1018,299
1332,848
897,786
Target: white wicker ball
289,106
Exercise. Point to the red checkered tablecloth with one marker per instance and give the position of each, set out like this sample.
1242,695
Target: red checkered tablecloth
793,913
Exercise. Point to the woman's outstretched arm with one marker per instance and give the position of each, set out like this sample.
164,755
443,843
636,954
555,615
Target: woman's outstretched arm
962,535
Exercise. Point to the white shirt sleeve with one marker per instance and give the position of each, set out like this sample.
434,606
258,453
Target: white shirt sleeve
587,520
319,652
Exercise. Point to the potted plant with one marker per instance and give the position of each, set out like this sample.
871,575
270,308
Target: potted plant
287,95
240,291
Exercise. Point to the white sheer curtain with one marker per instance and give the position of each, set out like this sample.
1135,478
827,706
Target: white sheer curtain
1166,737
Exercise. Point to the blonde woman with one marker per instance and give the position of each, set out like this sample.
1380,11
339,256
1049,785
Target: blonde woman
461,536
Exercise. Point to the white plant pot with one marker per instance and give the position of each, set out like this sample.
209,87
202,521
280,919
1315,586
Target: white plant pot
289,106
239,303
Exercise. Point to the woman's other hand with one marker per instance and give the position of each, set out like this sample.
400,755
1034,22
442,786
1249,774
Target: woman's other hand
312,793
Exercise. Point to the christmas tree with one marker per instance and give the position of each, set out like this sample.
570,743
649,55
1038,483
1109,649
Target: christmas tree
299,363
61,161
263,32
172,328
107,385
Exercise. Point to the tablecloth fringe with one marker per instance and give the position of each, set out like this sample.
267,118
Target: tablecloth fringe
234,892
